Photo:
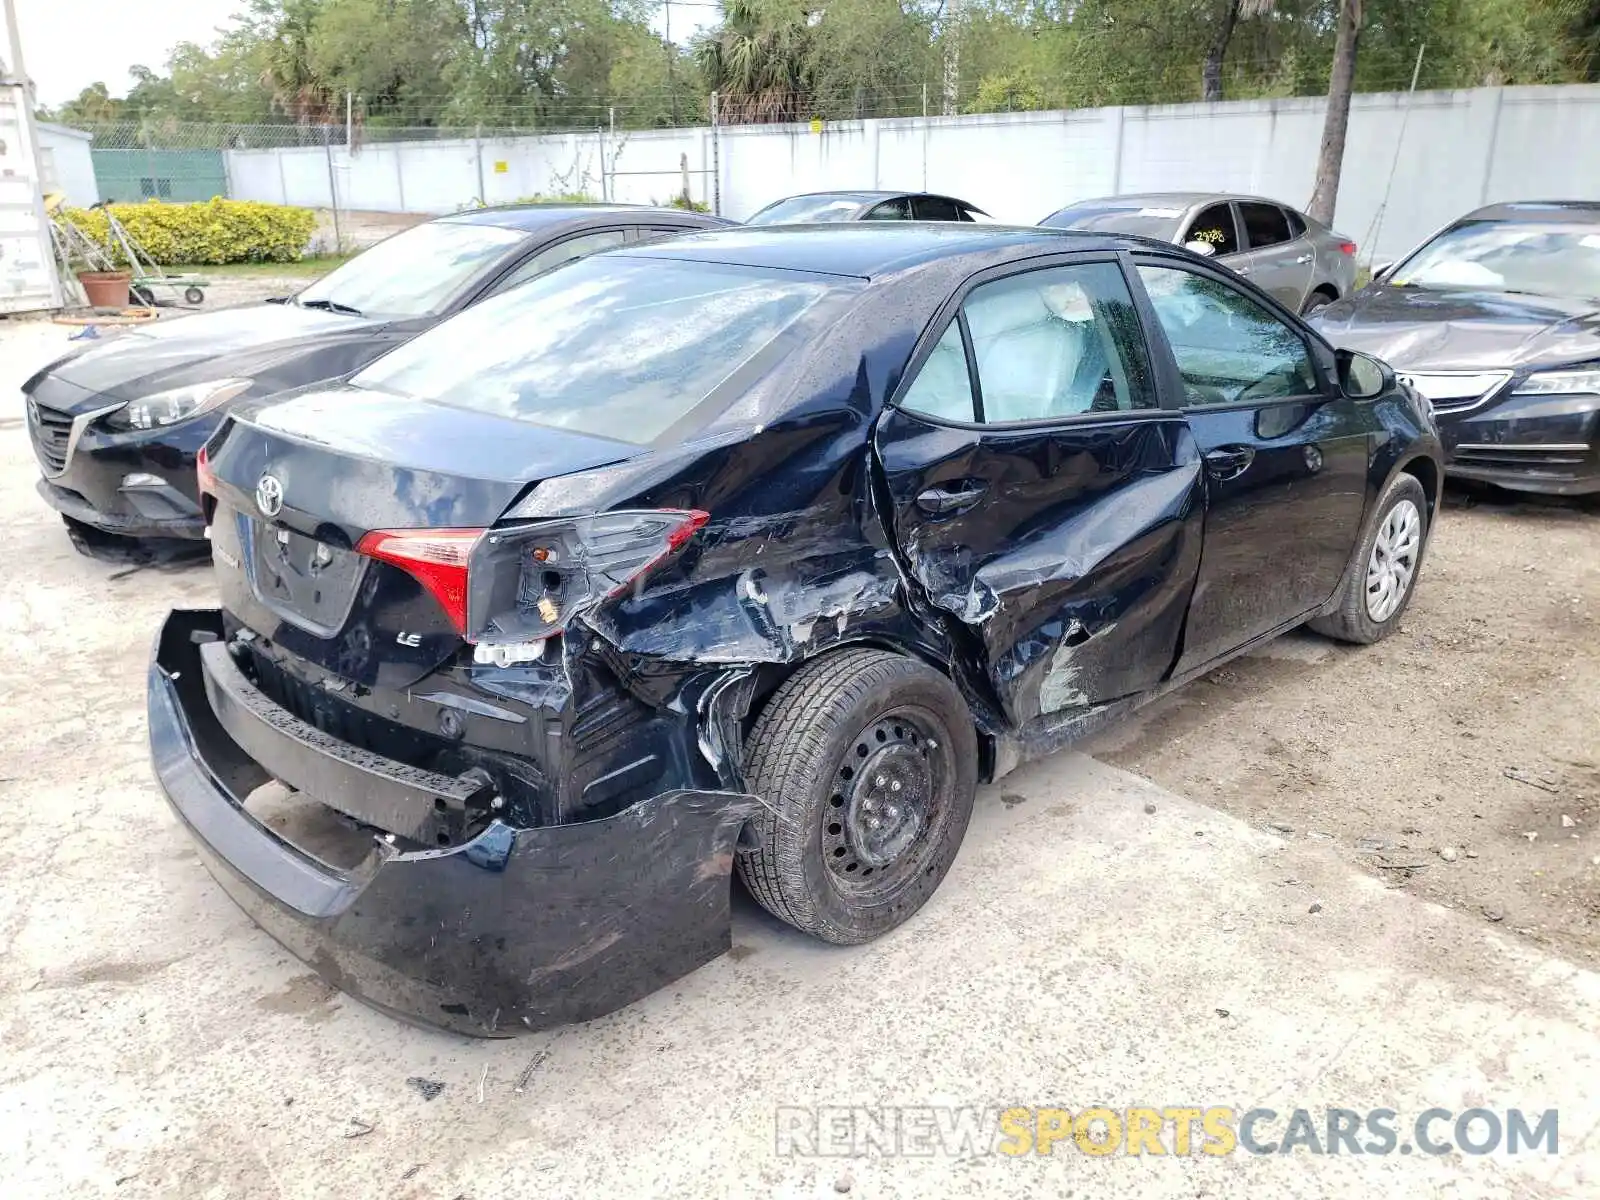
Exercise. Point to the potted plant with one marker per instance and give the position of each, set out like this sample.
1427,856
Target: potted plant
104,284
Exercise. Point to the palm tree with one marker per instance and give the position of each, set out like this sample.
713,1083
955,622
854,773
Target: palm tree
295,88
758,61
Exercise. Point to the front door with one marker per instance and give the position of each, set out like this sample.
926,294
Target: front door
1041,497
1285,457
1278,262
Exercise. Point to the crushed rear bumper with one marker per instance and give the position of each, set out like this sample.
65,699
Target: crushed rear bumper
514,929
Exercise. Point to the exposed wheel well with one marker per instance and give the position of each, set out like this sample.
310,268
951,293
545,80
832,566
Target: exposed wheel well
1326,289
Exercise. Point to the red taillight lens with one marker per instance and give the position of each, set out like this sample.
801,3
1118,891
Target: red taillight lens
523,583
203,474
435,558
1347,248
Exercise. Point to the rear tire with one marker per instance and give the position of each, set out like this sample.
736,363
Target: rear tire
1315,301
1366,613
868,763
194,295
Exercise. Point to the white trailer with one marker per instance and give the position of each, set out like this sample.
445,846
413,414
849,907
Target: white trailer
28,277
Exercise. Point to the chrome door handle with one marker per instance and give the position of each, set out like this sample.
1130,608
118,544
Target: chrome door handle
940,502
1229,462
1304,258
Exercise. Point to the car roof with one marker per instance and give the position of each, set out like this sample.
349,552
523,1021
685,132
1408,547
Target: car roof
870,249
865,196
532,218
1173,199
1583,211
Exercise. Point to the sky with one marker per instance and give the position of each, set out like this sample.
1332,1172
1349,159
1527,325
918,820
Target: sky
69,44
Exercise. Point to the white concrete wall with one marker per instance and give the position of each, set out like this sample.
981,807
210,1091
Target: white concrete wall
68,166
1457,150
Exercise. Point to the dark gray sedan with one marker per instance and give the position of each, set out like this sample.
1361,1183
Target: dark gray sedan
1302,262
866,206
1496,320
117,423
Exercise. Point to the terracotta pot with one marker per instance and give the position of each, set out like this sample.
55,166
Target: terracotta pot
106,289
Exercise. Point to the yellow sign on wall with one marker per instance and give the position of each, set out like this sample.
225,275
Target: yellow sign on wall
816,124
501,167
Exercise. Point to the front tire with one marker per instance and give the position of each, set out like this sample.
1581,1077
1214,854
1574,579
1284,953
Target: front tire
868,763
1382,575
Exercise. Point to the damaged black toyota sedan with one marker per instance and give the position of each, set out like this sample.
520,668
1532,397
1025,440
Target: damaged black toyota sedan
753,552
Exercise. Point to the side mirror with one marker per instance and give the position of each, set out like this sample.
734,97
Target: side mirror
1203,249
1379,270
1362,377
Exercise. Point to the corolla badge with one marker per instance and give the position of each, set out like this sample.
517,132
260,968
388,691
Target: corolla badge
269,496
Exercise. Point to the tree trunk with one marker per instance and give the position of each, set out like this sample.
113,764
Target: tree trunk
1211,69
1325,195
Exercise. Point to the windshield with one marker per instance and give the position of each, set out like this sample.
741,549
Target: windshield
1552,259
807,208
413,273
1150,221
622,348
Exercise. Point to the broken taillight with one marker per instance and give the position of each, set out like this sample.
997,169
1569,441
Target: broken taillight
523,583
438,559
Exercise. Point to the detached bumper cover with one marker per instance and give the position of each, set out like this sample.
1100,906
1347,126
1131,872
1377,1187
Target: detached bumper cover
518,928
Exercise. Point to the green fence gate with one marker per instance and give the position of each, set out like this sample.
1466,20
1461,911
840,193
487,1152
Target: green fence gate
141,174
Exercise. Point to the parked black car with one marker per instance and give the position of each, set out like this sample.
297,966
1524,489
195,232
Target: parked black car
115,426
760,547
1496,320
827,207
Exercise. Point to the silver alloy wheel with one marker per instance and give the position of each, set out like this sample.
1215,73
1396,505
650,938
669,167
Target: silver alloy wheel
1394,560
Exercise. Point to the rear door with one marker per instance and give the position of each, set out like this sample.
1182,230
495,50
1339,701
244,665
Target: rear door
1277,257
1041,496
1285,455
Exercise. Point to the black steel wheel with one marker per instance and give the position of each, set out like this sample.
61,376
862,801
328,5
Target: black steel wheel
194,295
868,763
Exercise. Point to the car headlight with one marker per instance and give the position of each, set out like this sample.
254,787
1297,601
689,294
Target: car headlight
176,404
1563,382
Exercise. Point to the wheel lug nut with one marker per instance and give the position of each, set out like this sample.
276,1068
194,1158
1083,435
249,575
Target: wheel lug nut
895,786
878,781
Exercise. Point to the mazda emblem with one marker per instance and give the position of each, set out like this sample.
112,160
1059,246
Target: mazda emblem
269,496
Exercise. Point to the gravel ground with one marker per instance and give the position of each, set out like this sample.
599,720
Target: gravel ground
1458,758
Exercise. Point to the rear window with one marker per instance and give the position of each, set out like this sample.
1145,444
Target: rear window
1144,220
617,347
801,209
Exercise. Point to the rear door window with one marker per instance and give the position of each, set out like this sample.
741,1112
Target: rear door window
1264,224
935,208
617,347
1049,343
898,209
1214,225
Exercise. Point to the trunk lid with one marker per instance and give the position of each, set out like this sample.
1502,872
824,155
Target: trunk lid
299,483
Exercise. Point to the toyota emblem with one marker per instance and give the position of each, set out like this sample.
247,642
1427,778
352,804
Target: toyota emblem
269,496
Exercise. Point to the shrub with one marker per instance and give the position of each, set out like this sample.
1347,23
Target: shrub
212,233
688,205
